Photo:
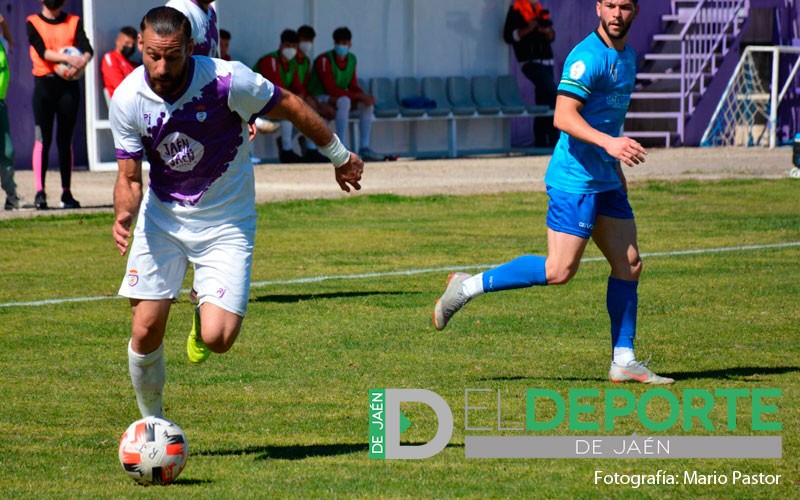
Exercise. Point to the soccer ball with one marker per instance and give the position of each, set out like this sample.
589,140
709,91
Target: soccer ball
62,68
153,450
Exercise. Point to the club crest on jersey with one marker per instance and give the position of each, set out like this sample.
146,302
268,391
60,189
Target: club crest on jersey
133,278
577,70
614,72
201,116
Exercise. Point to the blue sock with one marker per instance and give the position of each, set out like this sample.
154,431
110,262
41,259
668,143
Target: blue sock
521,272
622,301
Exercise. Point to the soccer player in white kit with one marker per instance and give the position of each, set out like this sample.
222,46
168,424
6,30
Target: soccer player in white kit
189,116
203,18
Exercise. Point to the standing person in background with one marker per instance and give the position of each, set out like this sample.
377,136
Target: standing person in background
588,192
225,45
334,81
13,201
203,18
117,63
55,98
529,29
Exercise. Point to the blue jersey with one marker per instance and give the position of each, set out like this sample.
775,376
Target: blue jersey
602,78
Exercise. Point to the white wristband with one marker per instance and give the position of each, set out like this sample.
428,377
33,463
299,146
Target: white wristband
336,152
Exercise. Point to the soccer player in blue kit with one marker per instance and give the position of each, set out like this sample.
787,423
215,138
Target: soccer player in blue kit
587,190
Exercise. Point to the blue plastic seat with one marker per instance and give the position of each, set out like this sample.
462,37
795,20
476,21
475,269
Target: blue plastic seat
408,88
460,95
511,100
484,94
385,97
433,89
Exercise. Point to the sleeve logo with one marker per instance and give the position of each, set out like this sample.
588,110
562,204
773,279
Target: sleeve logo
577,70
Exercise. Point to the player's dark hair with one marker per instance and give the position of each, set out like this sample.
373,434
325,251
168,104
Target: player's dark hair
165,21
225,34
306,31
289,36
342,35
129,31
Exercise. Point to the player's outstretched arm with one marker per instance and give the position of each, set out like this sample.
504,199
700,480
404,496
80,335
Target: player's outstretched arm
349,167
127,198
568,119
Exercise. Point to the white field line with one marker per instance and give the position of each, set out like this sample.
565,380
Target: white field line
411,272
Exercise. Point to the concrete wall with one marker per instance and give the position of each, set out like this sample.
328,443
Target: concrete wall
391,38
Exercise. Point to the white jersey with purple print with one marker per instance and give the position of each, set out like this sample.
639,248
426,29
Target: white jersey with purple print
204,26
198,145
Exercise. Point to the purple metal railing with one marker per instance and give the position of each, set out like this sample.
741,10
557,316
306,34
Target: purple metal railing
705,37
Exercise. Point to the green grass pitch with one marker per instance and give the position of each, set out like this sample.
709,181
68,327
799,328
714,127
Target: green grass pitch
285,413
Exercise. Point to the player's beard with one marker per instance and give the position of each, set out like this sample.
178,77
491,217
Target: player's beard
169,86
622,34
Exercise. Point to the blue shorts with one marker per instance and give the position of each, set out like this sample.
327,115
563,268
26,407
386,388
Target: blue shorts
576,214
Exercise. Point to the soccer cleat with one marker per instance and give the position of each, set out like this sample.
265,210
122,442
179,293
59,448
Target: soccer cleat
314,156
40,200
196,350
451,301
367,154
67,201
636,371
15,202
265,126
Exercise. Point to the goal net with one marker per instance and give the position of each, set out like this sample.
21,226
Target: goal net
747,112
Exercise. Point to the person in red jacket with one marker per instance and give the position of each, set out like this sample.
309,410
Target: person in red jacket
279,68
117,63
335,81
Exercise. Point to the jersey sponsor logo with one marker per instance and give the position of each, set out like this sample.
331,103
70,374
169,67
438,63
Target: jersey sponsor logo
617,100
133,277
577,70
180,152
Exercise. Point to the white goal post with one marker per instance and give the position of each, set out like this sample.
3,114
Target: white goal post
747,113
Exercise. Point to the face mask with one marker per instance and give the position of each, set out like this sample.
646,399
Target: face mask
306,47
128,51
53,4
341,50
289,53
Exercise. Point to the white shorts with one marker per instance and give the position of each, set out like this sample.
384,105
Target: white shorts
222,256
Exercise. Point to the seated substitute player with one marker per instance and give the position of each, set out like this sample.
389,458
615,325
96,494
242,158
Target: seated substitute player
334,81
189,115
587,190
279,68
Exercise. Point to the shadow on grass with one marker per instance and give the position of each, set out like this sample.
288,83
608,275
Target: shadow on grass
190,482
738,373
292,452
302,297
512,378
733,373
300,451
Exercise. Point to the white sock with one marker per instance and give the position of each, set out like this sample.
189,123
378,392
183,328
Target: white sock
473,286
148,375
623,356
